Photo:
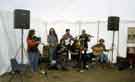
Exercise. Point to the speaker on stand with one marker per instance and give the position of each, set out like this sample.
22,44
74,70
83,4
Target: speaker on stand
113,25
21,21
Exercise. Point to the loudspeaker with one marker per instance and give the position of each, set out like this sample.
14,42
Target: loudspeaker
21,19
17,67
113,23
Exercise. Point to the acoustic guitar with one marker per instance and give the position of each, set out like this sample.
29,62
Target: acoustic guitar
99,50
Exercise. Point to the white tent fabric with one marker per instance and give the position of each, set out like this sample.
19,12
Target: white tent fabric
73,9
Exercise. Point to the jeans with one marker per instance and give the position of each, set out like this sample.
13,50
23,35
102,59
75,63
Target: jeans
51,54
85,58
33,60
103,58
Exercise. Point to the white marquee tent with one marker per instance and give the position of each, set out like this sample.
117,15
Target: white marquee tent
61,14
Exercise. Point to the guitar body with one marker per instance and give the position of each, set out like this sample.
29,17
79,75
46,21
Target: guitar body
97,51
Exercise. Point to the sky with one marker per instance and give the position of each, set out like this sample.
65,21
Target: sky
73,9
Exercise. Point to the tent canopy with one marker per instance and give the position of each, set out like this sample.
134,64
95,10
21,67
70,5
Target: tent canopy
73,9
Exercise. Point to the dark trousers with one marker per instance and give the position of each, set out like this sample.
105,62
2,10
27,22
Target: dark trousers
62,61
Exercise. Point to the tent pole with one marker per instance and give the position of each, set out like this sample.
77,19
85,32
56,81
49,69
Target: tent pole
98,30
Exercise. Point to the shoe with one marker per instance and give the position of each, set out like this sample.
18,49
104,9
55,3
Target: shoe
131,67
87,67
42,72
81,71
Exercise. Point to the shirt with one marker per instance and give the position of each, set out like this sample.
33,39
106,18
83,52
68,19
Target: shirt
32,44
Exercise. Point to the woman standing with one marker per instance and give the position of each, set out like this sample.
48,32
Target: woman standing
52,40
33,52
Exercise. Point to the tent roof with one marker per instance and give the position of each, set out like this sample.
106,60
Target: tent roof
73,9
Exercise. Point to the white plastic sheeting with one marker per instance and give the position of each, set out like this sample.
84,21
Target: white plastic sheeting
11,38
73,9
8,41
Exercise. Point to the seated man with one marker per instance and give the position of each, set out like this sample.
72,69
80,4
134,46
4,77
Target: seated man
98,50
75,52
61,55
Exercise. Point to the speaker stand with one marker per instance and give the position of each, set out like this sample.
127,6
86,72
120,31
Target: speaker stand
22,46
18,73
113,38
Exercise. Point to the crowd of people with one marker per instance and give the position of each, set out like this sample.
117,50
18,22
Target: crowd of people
68,49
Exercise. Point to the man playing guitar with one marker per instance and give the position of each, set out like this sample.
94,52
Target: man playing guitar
99,49
68,38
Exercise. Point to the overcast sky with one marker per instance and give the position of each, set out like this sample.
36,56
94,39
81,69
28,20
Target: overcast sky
73,9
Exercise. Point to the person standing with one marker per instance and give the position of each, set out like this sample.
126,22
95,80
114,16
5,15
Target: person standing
52,40
84,39
33,52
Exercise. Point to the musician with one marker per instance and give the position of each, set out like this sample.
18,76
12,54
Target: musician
52,40
100,48
75,52
67,37
61,55
84,39
33,52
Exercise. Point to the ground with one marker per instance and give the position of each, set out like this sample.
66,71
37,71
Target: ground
96,74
